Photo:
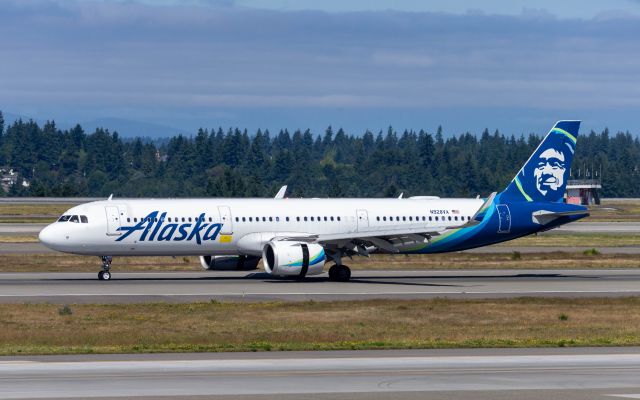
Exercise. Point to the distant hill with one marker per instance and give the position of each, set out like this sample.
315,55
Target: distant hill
124,127
131,128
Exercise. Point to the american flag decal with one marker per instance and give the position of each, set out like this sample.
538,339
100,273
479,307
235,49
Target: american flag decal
455,211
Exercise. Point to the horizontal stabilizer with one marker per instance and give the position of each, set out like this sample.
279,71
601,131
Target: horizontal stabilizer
543,217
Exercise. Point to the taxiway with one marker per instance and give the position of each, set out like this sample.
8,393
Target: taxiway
258,286
587,373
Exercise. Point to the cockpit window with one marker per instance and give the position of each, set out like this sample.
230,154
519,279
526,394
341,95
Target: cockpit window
74,218
83,219
64,218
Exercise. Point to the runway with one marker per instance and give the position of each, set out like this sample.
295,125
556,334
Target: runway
258,286
587,373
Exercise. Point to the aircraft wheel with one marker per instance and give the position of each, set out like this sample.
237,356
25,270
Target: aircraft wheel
104,275
339,273
343,274
332,272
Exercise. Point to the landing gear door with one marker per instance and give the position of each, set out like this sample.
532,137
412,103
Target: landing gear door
504,218
113,220
225,220
363,220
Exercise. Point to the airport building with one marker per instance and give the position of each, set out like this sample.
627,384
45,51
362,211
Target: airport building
583,191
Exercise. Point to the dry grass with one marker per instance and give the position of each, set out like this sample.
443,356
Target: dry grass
615,211
58,262
373,324
18,239
34,209
577,240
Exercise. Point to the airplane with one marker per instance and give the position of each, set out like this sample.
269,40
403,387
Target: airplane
297,237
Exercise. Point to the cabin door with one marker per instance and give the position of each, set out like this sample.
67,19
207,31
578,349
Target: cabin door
504,216
225,220
363,220
113,220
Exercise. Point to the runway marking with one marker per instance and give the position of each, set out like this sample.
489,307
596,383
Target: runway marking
627,396
243,294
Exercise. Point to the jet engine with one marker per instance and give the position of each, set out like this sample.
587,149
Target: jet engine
220,263
287,258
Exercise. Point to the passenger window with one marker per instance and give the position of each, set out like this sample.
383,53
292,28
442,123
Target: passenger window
449,217
74,218
298,219
325,218
377,218
410,218
278,219
331,218
404,218
270,219
305,219
287,219
424,218
430,218
264,219
244,219
338,218
436,217
83,219
311,218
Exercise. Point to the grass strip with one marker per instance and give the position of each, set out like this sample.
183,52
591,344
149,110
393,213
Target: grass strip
339,325
59,262
555,260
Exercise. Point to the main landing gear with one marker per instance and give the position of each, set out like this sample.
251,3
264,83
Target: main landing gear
339,273
105,275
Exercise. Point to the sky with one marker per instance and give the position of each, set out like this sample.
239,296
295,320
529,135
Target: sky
167,66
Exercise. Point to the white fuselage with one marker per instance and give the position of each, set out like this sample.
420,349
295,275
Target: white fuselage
239,226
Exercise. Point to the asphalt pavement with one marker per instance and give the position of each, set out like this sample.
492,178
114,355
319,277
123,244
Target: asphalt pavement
257,286
413,374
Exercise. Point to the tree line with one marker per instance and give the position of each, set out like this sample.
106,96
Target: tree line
233,162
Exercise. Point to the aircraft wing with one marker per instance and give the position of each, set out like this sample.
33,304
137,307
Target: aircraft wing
358,242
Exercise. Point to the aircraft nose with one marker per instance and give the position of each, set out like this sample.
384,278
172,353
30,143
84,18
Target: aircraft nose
48,236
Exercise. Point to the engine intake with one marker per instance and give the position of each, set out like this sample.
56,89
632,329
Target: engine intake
222,263
287,258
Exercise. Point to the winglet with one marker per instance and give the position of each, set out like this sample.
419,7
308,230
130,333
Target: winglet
281,192
110,197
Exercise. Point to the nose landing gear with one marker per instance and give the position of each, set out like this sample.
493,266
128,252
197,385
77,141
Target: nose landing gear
105,275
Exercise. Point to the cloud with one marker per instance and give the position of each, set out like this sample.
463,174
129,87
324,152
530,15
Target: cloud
96,57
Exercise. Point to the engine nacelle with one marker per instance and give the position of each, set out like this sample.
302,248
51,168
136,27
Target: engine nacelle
222,263
293,258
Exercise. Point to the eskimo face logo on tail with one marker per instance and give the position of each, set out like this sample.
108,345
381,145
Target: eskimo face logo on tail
549,172
153,228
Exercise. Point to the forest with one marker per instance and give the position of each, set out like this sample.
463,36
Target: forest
234,162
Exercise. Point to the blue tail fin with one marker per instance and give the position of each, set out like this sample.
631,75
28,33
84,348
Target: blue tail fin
544,176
